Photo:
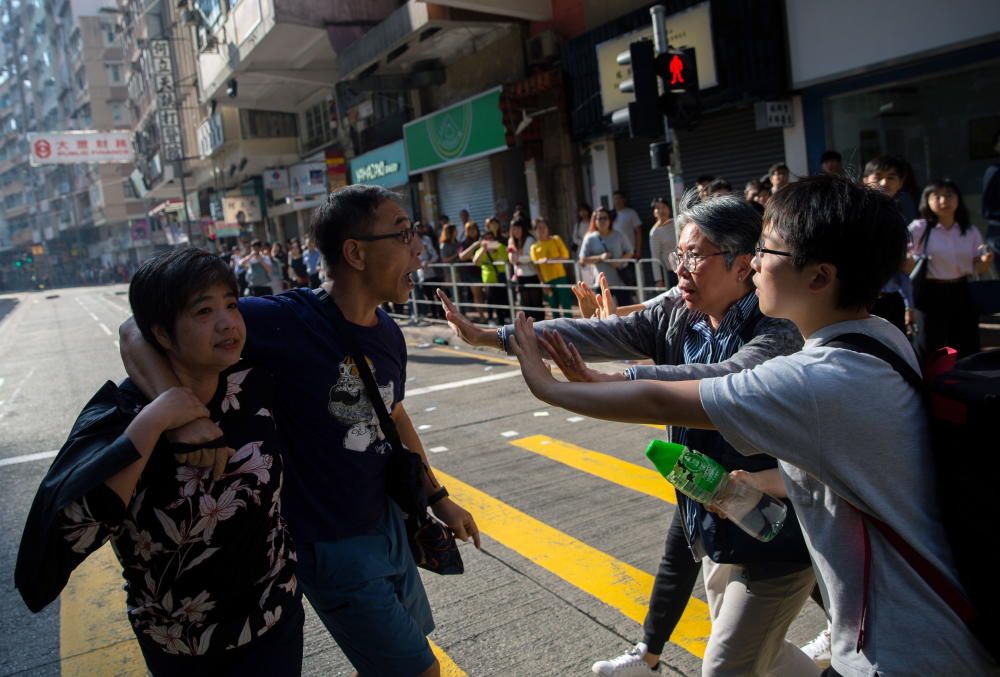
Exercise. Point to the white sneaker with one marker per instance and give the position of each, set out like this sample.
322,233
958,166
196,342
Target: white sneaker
630,664
819,649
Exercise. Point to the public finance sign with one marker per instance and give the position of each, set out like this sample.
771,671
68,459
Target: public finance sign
385,166
690,28
463,131
59,148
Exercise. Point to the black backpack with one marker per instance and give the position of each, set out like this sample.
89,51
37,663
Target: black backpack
962,399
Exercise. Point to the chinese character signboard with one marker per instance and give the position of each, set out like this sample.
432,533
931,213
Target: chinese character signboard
166,100
59,148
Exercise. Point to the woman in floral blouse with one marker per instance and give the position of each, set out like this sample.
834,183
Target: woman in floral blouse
207,560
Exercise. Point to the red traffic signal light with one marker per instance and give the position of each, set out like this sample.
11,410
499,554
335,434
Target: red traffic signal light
678,73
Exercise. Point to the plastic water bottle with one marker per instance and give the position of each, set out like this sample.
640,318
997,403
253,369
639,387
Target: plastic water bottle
700,478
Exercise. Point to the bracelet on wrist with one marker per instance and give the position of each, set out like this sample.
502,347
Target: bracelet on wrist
437,496
500,338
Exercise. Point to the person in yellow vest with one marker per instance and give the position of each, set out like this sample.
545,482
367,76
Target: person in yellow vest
549,247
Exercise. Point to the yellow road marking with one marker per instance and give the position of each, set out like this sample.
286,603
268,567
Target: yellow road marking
629,475
95,638
617,584
448,666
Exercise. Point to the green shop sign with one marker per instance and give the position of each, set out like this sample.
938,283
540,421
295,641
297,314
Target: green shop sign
385,166
463,131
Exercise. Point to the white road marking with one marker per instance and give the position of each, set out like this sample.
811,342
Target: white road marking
575,419
509,433
437,450
95,318
428,409
425,426
17,391
14,460
1,382
541,413
105,328
461,384
116,306
117,345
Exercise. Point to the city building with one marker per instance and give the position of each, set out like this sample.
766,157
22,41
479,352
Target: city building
920,80
62,70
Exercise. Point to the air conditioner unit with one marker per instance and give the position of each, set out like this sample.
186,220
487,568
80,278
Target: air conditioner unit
543,49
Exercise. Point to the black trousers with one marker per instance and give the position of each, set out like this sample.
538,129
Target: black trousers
531,297
672,588
950,318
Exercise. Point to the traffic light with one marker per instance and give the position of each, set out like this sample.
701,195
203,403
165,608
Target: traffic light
641,116
680,101
18,263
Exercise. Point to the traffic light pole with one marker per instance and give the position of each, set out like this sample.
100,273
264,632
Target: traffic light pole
661,46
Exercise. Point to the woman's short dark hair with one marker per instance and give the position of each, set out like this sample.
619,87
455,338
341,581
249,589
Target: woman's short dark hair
728,221
831,219
347,212
164,285
962,217
778,167
830,155
664,200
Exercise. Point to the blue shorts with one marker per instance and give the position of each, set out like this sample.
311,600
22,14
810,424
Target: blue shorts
368,593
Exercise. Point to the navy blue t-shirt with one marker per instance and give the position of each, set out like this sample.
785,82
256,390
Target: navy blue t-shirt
336,451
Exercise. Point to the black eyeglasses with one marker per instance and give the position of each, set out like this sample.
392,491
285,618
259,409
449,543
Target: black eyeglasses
405,235
759,249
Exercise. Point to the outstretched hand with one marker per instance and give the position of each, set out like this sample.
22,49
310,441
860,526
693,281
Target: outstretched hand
569,360
525,346
463,327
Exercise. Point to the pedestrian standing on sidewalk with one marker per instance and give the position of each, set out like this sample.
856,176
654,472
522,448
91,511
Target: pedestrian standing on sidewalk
546,253
258,265
605,248
354,562
207,560
526,274
491,257
662,243
955,251
314,261
470,275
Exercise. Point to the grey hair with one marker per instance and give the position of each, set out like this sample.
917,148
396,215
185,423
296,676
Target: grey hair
731,223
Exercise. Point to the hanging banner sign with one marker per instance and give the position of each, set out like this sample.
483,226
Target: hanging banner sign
463,131
63,148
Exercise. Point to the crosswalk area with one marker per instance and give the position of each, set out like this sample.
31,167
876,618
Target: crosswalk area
573,519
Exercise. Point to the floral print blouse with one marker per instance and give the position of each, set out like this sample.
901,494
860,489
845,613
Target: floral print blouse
208,565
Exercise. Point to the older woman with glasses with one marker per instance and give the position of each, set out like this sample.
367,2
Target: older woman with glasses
709,325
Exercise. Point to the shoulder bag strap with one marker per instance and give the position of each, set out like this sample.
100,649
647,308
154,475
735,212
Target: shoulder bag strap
345,333
945,589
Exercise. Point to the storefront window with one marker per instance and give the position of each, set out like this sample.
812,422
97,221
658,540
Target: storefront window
943,125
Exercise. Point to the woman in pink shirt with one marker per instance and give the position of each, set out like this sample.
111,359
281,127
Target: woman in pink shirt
955,251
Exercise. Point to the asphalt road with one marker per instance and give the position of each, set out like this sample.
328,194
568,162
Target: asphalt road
573,518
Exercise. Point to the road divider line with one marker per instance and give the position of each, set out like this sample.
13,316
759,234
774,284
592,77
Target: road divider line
104,328
27,458
95,637
460,384
465,353
615,470
611,581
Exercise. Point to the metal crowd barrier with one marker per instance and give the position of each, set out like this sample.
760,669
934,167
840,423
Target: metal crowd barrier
424,306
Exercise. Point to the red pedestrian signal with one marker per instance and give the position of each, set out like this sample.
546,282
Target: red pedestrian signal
676,70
